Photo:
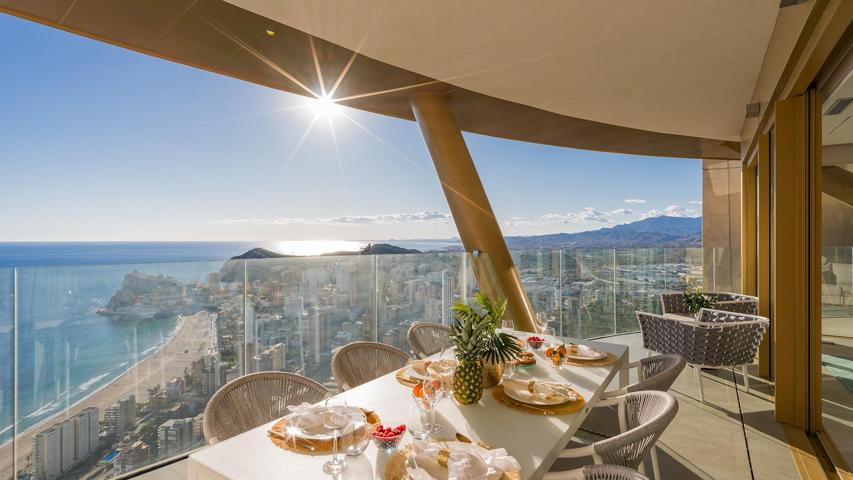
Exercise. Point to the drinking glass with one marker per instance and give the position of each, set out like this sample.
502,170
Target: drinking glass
447,360
335,419
433,391
507,325
358,438
418,421
550,335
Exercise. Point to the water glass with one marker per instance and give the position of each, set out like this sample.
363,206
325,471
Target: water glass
550,335
335,419
358,438
418,420
507,325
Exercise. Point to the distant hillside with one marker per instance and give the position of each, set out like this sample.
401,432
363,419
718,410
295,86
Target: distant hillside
257,253
651,232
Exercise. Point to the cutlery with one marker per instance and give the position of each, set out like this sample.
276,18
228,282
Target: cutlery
464,439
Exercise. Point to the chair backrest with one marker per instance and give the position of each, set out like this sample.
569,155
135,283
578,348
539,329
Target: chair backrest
673,302
611,472
658,372
427,338
643,416
255,399
731,339
360,362
748,307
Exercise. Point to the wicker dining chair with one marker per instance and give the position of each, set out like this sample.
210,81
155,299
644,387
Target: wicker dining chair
654,373
599,472
360,362
428,338
673,303
718,340
255,399
643,417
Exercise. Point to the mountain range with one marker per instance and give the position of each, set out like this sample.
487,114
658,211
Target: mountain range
650,232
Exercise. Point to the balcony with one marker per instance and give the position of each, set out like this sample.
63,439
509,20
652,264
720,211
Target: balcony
147,344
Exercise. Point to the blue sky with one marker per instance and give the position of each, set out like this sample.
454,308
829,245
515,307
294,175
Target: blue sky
101,143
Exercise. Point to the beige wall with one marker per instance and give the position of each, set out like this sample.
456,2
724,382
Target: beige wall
721,225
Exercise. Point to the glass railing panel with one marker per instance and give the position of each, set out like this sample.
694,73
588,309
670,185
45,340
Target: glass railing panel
640,278
588,286
299,310
117,362
419,288
7,343
684,268
540,273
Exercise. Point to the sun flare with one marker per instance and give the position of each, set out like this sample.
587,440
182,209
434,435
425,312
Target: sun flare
325,107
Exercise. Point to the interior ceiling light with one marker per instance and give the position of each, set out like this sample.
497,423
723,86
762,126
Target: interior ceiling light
839,106
270,32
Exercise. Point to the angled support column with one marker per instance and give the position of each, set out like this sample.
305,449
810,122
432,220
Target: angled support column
469,204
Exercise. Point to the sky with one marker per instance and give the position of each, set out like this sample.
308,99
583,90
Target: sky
99,143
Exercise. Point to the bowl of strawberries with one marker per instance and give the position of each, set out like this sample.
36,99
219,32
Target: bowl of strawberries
535,342
387,435
557,355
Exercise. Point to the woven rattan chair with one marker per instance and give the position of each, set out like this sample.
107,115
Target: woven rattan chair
654,373
673,303
428,338
360,362
718,340
643,416
255,399
599,472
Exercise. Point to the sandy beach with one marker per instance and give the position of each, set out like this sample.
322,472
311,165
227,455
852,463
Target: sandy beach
189,343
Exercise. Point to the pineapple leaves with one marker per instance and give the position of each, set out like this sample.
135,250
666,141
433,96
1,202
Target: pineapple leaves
473,331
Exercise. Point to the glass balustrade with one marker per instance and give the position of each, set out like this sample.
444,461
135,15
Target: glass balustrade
115,363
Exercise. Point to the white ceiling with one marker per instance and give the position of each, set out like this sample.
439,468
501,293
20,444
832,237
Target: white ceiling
671,66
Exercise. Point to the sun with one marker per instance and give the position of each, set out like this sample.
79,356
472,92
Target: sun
325,107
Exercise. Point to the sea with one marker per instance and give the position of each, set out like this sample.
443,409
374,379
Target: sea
66,350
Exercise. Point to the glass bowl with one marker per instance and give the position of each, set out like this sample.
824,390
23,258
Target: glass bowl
385,437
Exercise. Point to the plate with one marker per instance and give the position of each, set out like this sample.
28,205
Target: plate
311,428
585,353
517,390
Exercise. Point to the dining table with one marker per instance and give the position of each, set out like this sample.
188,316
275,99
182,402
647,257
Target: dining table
533,439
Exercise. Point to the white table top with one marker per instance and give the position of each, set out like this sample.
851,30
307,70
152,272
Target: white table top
533,440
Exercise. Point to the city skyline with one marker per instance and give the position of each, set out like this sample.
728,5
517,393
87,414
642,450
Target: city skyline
167,152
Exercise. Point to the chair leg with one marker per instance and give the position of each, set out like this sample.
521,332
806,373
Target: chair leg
655,462
745,378
698,372
642,467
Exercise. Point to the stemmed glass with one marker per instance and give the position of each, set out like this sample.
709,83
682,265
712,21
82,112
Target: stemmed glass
433,392
447,361
335,419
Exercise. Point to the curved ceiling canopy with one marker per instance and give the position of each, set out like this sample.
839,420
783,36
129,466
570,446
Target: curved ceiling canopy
671,66
668,79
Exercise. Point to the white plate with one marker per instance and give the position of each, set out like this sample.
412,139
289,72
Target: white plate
585,353
517,390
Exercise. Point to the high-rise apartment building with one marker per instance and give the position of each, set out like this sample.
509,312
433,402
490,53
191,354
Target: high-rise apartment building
174,436
447,297
47,454
120,416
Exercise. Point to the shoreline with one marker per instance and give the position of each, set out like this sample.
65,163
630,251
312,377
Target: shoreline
167,362
41,423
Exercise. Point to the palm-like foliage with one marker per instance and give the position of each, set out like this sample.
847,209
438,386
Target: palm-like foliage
474,331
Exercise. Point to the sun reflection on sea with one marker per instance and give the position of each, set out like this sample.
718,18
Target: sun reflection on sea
317,247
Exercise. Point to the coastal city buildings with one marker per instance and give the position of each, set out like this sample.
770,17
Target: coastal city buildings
120,416
59,448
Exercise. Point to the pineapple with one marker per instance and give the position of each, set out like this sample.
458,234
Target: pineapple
469,335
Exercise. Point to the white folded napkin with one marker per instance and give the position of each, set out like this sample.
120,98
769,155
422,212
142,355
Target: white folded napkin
309,417
542,390
463,465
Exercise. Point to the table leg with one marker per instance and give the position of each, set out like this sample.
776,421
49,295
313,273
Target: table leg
624,373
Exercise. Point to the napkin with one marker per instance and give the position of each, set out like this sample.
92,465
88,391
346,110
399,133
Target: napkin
542,390
463,465
310,417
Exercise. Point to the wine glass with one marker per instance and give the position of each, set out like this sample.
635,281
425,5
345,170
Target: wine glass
358,438
550,335
335,419
447,362
433,391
